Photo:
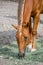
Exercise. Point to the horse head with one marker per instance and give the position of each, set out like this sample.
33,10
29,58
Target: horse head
23,36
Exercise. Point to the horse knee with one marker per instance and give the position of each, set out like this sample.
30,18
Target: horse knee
34,32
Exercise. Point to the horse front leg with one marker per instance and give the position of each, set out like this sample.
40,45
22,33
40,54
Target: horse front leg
34,31
30,35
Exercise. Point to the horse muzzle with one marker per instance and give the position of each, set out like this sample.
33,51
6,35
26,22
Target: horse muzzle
21,55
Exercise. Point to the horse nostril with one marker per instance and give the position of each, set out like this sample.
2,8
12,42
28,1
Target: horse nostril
20,56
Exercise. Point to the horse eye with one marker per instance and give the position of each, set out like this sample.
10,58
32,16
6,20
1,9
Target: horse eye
25,38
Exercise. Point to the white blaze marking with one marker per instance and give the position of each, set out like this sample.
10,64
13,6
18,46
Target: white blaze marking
20,33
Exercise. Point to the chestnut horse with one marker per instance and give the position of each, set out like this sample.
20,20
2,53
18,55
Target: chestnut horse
25,32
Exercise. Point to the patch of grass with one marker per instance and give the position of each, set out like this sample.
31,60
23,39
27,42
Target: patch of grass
40,41
31,58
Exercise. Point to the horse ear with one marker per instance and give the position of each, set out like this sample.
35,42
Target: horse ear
14,26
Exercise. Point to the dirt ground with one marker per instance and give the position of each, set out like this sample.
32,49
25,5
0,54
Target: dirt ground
10,62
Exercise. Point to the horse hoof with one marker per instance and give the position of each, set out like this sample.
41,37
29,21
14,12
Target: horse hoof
32,50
